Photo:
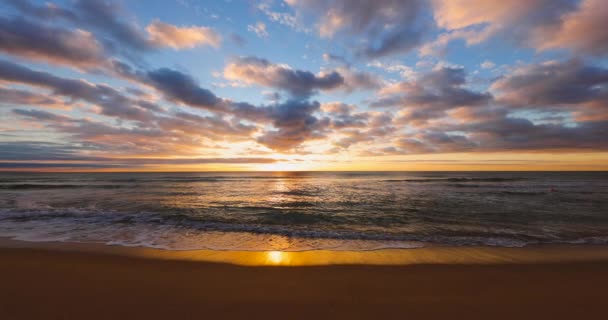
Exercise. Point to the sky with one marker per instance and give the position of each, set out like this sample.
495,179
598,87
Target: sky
193,85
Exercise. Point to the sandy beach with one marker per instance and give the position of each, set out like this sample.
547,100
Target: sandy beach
44,282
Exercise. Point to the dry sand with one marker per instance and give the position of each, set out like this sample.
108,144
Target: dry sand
44,283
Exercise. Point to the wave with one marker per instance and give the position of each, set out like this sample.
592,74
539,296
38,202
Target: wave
520,193
30,186
111,226
457,180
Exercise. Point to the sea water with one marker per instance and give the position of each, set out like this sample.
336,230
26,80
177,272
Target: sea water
294,211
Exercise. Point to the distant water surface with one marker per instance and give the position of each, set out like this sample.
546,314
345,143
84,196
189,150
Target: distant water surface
306,210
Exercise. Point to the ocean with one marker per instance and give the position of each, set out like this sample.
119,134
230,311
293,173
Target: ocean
295,211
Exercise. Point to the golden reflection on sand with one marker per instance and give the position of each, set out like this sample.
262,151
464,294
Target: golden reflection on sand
275,257
443,255
430,255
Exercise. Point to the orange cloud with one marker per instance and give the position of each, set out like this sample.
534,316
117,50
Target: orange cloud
164,34
582,30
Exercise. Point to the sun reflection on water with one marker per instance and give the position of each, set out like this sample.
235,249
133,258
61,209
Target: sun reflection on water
275,257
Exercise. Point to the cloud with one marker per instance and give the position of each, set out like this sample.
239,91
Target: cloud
112,102
571,85
430,95
487,64
540,24
50,44
238,40
404,71
298,83
42,115
116,31
344,115
29,154
167,35
502,134
521,134
283,18
583,30
389,26
177,134
355,80
13,97
295,123
259,29
352,127
180,87
33,150
107,17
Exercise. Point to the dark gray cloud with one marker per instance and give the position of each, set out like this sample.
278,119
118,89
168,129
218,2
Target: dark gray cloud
571,85
41,115
355,80
112,102
108,17
293,120
345,116
89,29
33,150
41,165
432,94
10,96
75,48
521,134
29,154
502,132
295,123
180,87
105,17
45,12
377,126
298,83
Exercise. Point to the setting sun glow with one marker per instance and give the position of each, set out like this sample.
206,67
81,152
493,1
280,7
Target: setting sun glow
275,257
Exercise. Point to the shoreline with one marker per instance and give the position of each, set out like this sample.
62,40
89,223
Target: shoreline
63,281
445,255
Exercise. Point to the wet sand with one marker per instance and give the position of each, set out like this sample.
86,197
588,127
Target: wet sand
47,283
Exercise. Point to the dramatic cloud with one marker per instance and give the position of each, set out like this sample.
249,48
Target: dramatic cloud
50,44
23,97
582,30
554,84
182,88
540,24
102,87
112,102
359,80
253,70
295,123
163,34
345,116
108,18
109,21
390,26
431,94
27,151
